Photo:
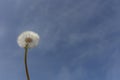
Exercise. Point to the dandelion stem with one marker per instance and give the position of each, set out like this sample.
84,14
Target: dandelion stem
25,61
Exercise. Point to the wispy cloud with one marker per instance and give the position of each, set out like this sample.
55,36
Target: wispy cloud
79,39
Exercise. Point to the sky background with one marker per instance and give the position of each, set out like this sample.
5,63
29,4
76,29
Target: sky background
79,39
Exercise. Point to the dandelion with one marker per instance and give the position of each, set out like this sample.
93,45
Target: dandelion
26,40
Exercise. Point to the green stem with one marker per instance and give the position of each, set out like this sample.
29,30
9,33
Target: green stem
25,61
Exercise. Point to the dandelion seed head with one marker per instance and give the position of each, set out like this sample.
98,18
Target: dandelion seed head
29,38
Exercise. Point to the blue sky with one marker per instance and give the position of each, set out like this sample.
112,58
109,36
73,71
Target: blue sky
80,39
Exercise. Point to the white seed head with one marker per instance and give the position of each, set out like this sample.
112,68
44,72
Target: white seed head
28,38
